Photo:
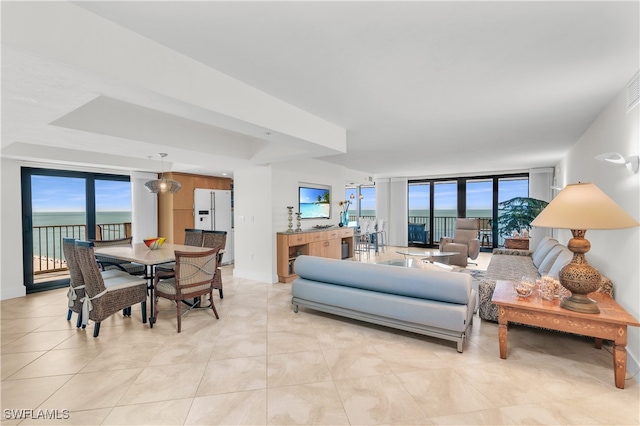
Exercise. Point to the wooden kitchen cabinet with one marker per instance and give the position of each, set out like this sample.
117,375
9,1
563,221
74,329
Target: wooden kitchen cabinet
175,211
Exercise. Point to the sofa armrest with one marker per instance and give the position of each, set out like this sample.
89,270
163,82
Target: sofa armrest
474,248
443,241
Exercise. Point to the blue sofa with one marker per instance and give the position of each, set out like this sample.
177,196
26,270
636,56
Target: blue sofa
433,303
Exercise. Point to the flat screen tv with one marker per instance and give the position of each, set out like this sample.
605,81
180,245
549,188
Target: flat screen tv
314,202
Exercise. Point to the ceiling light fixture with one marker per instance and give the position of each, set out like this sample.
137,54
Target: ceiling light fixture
632,163
163,185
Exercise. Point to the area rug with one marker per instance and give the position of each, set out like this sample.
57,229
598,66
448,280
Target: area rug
475,273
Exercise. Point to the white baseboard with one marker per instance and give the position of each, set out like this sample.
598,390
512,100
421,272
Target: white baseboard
12,293
265,278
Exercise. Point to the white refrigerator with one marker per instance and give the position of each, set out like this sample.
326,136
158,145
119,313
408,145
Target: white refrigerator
212,211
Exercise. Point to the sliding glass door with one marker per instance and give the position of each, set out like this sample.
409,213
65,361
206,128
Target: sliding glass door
445,209
479,205
509,188
419,203
57,204
434,205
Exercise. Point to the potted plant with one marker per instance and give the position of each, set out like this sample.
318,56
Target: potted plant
517,214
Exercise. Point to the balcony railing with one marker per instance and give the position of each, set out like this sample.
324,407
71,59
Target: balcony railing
47,242
443,226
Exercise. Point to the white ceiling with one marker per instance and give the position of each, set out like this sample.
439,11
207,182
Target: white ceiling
421,88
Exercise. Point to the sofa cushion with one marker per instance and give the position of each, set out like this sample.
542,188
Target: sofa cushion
549,259
411,282
563,258
542,250
445,316
508,267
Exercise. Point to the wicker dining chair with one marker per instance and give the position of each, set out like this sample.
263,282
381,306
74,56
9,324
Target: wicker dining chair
216,240
108,262
192,237
100,301
76,282
193,279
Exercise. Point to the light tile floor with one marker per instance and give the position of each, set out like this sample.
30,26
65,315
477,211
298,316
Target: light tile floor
260,363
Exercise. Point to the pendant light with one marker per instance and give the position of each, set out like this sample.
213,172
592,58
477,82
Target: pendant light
163,185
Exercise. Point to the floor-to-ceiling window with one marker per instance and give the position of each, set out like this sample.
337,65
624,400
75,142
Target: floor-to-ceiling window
419,204
479,205
445,209
363,202
368,202
508,188
57,204
434,204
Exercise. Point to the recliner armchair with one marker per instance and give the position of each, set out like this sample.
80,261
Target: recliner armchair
465,242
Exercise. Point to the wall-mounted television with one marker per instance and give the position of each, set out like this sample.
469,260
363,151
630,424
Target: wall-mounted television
314,201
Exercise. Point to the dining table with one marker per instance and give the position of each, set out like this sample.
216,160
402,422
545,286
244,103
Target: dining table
140,253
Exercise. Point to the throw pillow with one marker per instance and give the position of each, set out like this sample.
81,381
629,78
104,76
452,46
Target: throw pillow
549,260
563,258
543,250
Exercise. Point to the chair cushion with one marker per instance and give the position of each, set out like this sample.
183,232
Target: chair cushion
167,286
549,259
543,250
117,283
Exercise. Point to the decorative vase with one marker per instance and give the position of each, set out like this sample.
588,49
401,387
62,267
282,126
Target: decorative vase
290,220
298,228
345,218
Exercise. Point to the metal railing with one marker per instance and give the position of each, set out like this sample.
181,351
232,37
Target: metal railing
47,242
443,226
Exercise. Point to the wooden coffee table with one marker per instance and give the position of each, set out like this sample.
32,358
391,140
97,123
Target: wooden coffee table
610,324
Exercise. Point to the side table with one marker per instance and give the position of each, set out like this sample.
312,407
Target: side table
610,324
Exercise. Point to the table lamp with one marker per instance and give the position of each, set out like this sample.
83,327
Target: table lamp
579,207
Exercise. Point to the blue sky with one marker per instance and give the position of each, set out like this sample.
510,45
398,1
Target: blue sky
64,194
479,194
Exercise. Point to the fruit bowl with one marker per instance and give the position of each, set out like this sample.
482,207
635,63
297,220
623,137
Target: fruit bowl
154,243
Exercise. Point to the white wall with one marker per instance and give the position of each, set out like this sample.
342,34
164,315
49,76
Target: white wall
540,181
144,207
253,224
11,278
262,195
614,253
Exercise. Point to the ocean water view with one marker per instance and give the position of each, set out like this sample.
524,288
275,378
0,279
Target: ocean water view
78,218
437,213
51,227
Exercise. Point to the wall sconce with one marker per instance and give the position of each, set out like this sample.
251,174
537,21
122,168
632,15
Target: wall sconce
632,163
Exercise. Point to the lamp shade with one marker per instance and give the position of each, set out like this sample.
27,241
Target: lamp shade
583,206
163,185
